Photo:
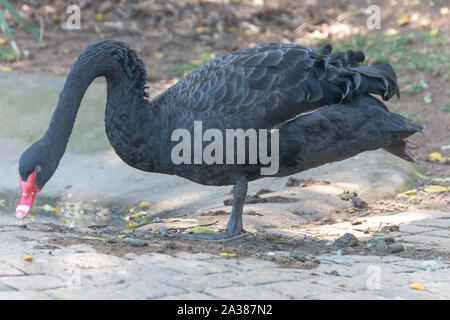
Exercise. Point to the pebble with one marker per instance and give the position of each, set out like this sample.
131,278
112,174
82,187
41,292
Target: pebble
134,242
347,240
389,239
297,255
396,247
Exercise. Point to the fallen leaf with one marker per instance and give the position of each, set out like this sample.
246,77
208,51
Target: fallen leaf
98,17
433,32
2,202
254,213
407,193
121,236
199,30
390,32
402,20
47,207
357,221
137,215
436,189
232,29
444,10
159,55
435,156
427,99
227,254
144,205
414,198
417,286
27,258
93,238
2,41
6,69
200,230
272,238
132,225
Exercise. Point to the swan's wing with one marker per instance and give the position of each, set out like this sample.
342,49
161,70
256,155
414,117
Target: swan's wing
268,84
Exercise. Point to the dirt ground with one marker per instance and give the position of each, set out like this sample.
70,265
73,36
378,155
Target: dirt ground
175,37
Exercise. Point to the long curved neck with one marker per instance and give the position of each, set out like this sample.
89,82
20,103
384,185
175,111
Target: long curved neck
125,77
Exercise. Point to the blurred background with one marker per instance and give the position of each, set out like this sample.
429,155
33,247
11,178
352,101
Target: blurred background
174,37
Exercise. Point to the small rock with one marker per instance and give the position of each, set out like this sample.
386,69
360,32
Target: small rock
377,245
347,195
263,191
294,182
359,203
389,240
357,222
297,255
113,240
134,242
396,248
347,240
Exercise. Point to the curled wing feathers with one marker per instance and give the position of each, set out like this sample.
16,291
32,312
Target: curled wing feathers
268,84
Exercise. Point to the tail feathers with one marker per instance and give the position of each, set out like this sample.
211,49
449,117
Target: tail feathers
397,130
346,59
359,80
380,80
399,149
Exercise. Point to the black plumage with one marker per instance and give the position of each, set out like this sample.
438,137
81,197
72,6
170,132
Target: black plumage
320,102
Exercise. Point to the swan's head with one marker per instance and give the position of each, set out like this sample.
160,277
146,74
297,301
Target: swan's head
36,167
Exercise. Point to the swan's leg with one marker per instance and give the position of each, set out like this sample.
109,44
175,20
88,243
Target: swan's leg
234,226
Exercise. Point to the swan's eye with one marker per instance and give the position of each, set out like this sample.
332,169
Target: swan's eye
38,169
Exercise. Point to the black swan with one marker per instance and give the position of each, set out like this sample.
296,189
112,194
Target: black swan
319,104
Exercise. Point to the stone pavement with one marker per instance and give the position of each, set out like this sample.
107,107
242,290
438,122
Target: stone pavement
79,272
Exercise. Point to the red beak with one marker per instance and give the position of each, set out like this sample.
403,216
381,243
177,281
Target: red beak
28,193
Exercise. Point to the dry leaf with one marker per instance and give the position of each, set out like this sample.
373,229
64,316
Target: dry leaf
47,207
407,193
357,221
144,204
272,238
417,286
27,258
132,225
93,238
227,254
390,32
436,189
200,230
435,156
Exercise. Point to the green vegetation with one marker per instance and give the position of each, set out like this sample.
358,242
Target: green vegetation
421,50
13,52
7,54
204,55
